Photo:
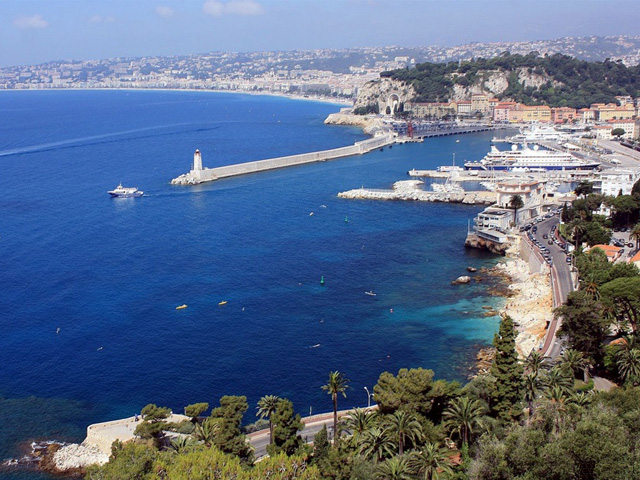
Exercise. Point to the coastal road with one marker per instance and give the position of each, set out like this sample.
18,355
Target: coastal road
561,279
312,425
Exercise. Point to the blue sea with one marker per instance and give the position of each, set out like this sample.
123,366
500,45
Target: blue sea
109,273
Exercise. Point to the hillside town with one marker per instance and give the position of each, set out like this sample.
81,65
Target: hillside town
324,73
603,119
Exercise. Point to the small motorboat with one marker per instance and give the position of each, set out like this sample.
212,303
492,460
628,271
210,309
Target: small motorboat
370,292
224,302
181,307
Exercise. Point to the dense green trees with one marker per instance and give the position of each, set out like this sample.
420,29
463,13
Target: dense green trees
571,82
594,441
195,410
414,390
583,324
141,462
229,438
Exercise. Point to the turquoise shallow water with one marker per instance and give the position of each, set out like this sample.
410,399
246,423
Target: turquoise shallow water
110,272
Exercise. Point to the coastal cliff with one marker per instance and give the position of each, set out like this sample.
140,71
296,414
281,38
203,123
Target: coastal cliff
378,92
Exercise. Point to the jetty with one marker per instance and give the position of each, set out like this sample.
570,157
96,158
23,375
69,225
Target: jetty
198,174
384,135
410,190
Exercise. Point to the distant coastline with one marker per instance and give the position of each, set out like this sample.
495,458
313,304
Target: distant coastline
330,101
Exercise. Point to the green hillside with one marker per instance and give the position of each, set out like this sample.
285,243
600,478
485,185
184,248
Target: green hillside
571,82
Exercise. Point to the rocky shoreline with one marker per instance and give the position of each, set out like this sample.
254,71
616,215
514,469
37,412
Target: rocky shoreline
529,304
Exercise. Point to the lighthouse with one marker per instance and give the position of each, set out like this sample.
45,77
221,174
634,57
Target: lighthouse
197,161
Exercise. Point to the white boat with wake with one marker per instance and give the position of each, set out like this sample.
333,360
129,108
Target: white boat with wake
124,192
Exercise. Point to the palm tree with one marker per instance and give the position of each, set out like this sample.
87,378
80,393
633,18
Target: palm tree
515,202
207,431
534,363
359,420
628,361
592,287
403,426
337,384
396,468
531,388
463,416
558,377
575,362
181,444
557,397
431,461
577,227
580,399
375,443
267,406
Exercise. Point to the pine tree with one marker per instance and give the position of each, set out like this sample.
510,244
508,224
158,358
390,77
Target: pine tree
285,429
507,392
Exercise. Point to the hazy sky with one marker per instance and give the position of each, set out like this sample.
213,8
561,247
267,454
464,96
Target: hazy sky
34,31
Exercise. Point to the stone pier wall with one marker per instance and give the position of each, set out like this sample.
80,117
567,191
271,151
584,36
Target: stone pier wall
210,174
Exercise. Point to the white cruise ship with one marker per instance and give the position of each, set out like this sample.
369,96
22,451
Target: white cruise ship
529,159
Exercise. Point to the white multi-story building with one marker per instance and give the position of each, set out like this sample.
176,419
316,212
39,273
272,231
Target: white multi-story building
613,181
532,192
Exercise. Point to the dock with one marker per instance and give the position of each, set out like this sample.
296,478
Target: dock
500,175
409,190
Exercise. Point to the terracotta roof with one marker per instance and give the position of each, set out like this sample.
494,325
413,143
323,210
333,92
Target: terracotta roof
635,258
609,250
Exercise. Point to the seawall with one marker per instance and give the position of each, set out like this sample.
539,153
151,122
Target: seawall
410,190
210,174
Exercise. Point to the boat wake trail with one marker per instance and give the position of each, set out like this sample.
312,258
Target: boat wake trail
161,131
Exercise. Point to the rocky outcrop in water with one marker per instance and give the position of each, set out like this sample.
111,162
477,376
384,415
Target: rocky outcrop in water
474,241
461,279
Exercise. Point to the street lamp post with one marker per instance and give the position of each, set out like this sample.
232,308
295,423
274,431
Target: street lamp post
368,397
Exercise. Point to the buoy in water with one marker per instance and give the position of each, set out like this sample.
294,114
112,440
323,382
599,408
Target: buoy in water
322,280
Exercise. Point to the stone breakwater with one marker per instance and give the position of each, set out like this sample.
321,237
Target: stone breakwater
410,190
530,305
196,176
